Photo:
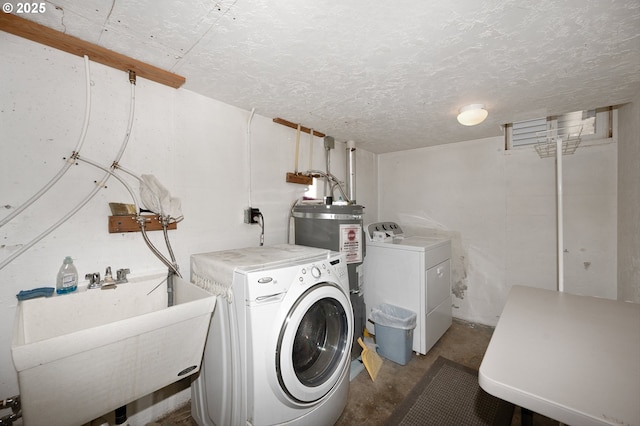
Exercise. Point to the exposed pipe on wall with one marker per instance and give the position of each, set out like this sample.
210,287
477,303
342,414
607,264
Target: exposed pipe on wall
69,161
560,237
331,178
172,265
248,142
351,171
99,184
329,144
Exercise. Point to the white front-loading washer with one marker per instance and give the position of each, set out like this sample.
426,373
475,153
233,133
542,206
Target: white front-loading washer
412,272
278,349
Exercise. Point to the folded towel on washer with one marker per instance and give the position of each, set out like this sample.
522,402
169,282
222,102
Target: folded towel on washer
36,292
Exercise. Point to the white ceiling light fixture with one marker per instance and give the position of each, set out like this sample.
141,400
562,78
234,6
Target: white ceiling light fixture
471,115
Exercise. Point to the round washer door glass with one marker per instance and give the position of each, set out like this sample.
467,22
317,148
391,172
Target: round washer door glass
314,344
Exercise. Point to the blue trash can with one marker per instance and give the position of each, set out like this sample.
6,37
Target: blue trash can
394,332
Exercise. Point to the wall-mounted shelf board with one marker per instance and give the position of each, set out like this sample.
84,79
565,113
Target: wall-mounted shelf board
40,34
299,178
295,126
118,224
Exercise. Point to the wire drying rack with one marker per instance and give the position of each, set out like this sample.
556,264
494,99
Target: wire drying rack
547,144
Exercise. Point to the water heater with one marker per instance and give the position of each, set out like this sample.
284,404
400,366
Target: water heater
338,228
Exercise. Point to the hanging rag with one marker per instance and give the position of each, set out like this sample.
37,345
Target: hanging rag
156,197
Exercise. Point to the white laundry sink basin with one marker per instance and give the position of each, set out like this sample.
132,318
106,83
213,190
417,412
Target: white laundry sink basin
84,354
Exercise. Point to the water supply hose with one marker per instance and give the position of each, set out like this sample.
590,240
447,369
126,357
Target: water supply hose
170,276
165,223
165,220
130,190
332,178
89,197
154,249
171,265
69,161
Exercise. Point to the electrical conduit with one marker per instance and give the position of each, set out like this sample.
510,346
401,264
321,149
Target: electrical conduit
248,140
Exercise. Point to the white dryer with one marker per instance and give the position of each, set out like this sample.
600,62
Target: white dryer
411,272
278,349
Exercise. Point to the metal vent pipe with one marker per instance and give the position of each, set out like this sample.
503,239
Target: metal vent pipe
351,171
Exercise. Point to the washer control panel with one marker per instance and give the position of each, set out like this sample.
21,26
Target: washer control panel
273,284
323,271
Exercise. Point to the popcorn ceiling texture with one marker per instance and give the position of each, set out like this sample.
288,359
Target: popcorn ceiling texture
388,75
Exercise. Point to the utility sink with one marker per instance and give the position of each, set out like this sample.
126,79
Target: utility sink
83,354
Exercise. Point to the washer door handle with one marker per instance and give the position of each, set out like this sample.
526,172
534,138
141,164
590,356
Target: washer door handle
269,297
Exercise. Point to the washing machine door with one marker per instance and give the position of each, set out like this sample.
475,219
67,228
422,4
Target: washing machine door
314,343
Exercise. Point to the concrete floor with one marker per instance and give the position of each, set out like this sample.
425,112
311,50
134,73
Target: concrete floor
371,403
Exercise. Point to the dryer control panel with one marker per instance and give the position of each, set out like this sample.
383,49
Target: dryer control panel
383,231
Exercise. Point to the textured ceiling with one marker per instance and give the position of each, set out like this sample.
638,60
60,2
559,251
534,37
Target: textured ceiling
388,75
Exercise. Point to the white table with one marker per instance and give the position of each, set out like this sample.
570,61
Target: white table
575,359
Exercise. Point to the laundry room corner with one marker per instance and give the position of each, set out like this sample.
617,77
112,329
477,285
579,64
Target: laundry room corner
498,207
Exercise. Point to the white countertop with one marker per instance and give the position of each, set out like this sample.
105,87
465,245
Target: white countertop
573,358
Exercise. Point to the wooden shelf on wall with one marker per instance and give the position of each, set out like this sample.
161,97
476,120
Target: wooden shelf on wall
295,126
299,178
44,35
118,224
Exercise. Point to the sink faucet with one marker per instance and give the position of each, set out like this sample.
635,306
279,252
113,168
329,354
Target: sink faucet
108,282
108,278
121,275
94,280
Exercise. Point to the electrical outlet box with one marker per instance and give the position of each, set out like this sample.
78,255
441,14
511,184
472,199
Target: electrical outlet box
251,215
329,142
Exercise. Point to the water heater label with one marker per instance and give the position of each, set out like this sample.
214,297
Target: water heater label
351,242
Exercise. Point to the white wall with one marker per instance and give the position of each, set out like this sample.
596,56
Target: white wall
499,210
196,146
629,202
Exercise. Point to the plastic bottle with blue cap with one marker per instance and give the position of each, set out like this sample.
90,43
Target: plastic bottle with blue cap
67,280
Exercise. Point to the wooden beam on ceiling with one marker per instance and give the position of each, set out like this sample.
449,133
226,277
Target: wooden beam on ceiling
40,34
